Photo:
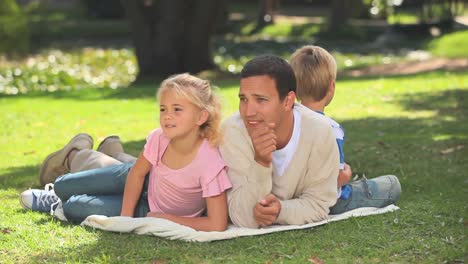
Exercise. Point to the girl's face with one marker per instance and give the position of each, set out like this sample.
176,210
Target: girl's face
178,117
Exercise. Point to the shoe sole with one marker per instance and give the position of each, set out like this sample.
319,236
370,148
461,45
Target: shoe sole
60,155
22,204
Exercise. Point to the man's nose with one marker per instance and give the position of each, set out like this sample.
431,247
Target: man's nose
251,109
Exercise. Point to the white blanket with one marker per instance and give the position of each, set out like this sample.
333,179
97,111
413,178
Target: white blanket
168,229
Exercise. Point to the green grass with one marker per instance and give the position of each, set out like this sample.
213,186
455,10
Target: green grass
451,45
396,125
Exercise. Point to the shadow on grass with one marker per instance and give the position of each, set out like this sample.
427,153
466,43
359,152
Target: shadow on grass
25,177
103,250
453,103
145,91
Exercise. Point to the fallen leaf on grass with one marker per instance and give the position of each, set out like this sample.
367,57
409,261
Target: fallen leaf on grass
159,261
29,152
315,260
450,150
6,231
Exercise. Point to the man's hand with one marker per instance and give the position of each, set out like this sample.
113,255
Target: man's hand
264,142
345,175
267,210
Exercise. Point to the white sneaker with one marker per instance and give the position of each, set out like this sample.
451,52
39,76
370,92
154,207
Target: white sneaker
58,212
39,200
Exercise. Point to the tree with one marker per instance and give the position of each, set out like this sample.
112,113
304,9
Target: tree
266,14
172,36
343,10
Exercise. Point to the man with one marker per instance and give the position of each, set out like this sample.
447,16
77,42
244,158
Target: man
282,157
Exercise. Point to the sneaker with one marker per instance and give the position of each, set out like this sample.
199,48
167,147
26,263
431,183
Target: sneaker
55,164
58,211
377,192
39,200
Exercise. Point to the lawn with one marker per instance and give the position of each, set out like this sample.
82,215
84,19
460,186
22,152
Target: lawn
412,126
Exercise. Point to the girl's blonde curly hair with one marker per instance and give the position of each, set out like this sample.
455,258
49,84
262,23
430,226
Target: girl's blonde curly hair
200,93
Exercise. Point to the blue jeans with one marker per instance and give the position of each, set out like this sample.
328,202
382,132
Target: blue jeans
377,192
97,191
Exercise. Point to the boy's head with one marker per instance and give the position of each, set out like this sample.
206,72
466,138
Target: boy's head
274,67
315,71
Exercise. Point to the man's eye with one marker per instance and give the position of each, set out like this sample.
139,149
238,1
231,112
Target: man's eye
242,99
261,99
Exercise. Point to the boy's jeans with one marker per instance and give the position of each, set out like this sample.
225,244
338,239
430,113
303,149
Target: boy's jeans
97,191
377,192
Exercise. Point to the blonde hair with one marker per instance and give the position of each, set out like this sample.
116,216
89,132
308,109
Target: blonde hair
198,92
315,69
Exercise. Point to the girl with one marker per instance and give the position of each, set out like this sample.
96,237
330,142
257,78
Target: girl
178,175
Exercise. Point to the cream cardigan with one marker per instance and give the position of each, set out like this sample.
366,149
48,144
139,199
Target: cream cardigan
307,188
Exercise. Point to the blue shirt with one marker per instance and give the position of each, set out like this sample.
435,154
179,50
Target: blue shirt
339,134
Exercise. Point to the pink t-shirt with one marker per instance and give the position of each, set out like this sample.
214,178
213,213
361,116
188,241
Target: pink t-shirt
181,192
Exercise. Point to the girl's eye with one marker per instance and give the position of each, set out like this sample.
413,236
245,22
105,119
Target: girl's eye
178,109
162,110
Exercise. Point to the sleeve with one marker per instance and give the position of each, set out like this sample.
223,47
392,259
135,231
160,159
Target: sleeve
320,181
340,143
339,134
217,185
151,149
250,180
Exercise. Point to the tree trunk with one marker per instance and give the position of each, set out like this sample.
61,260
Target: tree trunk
172,36
200,23
339,14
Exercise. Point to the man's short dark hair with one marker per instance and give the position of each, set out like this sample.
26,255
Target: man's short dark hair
275,67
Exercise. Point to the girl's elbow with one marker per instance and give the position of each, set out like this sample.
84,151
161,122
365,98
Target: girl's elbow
220,226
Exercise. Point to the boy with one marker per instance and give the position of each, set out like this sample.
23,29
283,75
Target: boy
315,71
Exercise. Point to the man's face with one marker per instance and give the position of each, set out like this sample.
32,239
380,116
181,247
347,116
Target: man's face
260,103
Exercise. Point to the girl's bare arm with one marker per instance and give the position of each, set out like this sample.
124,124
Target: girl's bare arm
134,185
216,219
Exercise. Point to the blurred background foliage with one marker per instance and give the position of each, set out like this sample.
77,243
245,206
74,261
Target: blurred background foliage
63,45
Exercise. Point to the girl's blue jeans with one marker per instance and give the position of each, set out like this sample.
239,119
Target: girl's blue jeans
97,191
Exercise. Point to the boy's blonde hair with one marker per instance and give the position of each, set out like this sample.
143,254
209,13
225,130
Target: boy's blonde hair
198,92
315,69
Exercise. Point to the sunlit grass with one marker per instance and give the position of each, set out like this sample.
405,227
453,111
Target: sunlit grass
394,125
451,45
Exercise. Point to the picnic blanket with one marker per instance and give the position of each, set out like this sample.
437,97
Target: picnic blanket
168,229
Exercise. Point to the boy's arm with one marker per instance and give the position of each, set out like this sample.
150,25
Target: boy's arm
134,185
345,175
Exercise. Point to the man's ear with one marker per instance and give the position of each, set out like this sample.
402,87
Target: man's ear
204,115
289,100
